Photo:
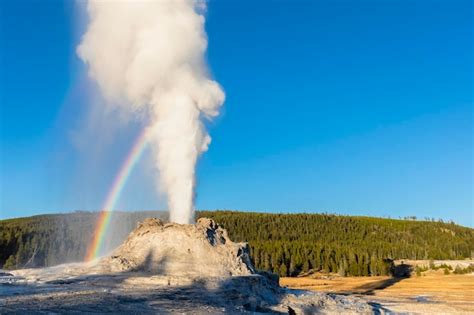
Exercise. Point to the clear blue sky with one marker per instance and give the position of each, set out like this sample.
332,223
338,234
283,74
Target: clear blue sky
357,108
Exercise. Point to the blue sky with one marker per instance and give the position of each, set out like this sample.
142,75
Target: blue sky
361,109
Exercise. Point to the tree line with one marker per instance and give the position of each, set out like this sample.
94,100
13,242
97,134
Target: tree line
48,240
285,244
290,244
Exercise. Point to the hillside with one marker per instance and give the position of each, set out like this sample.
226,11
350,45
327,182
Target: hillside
286,244
48,240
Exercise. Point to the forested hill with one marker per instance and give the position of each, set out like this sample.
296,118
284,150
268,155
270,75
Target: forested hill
48,240
290,243
286,244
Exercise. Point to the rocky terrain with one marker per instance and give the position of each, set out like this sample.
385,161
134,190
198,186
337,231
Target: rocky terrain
166,268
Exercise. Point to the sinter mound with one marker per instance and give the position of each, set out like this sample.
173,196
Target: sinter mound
167,268
195,250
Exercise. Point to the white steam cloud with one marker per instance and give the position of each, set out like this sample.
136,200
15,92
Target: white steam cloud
149,56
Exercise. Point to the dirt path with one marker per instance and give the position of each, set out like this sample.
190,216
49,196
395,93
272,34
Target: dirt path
432,293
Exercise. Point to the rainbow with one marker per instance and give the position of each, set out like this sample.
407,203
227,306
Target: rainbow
114,194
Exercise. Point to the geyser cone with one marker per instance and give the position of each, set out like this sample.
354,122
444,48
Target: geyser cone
180,250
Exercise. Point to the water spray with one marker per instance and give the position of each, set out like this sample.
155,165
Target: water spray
149,57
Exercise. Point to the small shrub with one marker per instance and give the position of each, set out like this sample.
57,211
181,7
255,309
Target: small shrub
420,269
460,271
445,266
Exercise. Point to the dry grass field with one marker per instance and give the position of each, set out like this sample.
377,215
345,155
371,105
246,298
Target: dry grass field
431,293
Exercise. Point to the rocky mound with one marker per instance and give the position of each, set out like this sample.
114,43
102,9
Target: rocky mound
200,250
167,268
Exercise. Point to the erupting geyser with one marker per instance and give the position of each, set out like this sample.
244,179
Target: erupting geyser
148,57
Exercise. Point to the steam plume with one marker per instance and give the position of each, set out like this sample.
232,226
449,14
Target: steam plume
148,57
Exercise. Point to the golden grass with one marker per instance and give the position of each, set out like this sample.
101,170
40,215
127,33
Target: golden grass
447,293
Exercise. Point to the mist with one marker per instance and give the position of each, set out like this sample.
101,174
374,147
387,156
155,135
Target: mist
148,59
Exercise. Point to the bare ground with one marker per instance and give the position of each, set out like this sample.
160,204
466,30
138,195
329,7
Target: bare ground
165,269
141,293
431,293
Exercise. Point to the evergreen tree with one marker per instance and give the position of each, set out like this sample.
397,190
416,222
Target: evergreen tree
354,246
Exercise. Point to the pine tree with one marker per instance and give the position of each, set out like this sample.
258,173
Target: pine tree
283,271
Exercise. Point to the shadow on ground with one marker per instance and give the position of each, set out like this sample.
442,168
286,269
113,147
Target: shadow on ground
141,292
105,294
399,273
150,289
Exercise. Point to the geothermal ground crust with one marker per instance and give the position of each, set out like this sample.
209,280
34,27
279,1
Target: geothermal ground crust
166,268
